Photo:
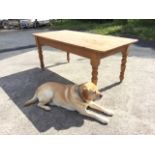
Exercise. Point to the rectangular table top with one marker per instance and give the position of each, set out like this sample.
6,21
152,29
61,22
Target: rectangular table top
97,42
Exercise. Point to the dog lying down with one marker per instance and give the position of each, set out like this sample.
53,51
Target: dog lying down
72,97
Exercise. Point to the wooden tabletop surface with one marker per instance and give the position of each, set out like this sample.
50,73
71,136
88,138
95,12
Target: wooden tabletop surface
100,43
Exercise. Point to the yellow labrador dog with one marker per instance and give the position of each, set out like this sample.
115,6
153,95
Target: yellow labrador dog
72,97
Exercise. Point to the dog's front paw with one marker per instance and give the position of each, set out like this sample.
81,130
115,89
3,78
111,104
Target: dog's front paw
109,112
104,121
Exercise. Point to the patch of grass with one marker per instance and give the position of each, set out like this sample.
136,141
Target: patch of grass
107,29
144,32
135,28
72,25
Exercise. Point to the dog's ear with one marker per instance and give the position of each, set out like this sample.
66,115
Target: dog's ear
85,94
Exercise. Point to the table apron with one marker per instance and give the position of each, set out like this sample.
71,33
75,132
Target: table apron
114,51
81,51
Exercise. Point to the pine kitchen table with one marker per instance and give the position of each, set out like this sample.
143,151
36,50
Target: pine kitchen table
92,46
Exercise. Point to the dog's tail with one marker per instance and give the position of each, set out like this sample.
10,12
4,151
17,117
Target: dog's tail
31,101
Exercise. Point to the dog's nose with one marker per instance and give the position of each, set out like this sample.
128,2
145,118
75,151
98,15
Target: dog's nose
100,95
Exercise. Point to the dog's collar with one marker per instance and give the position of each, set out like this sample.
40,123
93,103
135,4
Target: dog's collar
80,95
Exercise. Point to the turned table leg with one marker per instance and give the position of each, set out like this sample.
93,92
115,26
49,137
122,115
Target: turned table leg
123,63
68,57
40,53
95,63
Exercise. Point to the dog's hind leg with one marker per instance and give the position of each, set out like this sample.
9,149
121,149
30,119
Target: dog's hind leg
45,98
43,106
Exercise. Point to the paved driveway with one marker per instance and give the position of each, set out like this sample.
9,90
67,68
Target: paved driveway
13,39
132,101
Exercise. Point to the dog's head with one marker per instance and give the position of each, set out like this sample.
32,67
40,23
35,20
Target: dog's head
89,92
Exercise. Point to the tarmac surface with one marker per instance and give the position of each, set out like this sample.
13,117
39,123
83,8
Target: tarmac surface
133,101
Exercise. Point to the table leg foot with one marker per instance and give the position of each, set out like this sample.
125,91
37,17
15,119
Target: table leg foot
68,57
